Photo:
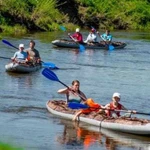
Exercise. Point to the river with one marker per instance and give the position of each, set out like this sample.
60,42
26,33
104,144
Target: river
24,119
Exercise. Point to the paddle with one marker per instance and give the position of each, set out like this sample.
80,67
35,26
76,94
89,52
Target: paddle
83,106
4,57
81,47
52,76
63,28
74,105
6,42
47,64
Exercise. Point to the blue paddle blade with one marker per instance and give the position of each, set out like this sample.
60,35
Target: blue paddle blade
62,28
74,105
82,47
111,47
49,65
6,42
49,74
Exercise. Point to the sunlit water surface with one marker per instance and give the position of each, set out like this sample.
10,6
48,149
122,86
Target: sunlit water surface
24,119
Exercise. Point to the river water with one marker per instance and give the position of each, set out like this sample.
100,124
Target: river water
24,119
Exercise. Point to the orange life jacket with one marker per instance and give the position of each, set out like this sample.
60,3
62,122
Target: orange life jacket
92,106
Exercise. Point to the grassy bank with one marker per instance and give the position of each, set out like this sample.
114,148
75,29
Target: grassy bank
22,16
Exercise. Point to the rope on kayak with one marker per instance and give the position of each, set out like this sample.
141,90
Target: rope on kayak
101,123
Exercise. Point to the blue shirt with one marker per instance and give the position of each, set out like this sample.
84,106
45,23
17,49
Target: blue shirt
106,37
20,55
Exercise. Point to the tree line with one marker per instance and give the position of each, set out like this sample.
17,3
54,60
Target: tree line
22,16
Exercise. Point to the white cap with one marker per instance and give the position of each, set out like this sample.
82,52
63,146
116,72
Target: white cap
77,30
117,95
21,45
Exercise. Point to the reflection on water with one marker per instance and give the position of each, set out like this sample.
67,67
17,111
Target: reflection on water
21,79
87,137
73,135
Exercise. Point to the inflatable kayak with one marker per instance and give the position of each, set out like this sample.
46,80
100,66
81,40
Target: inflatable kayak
21,68
71,44
129,125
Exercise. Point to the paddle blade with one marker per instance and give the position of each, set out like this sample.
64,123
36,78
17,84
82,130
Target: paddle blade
81,47
6,42
62,28
74,105
111,47
49,65
50,74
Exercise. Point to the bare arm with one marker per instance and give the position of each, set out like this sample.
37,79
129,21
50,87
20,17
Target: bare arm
107,106
63,91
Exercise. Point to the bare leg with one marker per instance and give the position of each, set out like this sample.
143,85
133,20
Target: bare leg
77,114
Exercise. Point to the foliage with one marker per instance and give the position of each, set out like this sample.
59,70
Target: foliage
133,14
45,15
20,16
4,146
15,30
30,13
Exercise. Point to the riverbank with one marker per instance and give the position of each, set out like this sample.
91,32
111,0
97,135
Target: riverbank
21,17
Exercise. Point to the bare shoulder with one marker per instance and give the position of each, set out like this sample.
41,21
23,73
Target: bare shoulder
26,50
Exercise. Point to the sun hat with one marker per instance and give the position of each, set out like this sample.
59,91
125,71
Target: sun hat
117,95
21,45
77,30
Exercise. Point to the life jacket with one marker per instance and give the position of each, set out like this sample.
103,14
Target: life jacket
92,106
28,56
112,108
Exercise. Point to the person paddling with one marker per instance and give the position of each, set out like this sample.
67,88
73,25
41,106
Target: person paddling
73,93
107,37
76,37
115,105
92,37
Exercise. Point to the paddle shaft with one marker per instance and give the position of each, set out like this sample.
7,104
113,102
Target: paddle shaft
4,57
74,39
83,106
72,90
8,43
106,44
128,111
102,39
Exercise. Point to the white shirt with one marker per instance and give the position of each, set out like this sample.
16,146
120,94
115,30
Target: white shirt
91,38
